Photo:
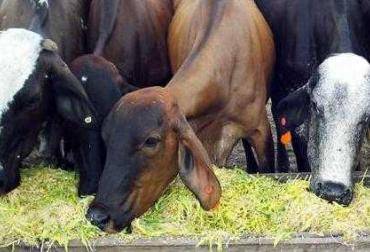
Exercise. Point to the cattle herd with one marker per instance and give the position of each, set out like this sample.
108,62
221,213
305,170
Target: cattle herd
133,93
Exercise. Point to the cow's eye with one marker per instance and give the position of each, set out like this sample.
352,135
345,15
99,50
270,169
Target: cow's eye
361,124
151,142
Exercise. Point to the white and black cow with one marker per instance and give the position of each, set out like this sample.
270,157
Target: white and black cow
35,83
322,85
64,23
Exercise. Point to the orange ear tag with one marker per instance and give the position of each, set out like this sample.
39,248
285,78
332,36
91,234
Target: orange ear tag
208,190
286,138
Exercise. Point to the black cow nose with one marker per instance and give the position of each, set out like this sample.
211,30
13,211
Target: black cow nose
334,192
98,217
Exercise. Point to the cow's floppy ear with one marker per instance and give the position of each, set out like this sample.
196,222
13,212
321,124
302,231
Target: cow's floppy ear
70,97
294,109
195,167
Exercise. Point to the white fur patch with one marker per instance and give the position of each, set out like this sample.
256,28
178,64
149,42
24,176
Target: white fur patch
19,51
343,95
41,2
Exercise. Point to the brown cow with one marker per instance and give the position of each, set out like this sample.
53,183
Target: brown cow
132,34
63,22
223,54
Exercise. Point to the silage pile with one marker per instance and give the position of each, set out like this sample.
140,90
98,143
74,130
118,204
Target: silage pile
46,210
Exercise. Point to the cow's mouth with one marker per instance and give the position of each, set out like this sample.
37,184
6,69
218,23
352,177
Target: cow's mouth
112,228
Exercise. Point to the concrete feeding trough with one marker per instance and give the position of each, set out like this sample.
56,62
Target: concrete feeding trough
302,242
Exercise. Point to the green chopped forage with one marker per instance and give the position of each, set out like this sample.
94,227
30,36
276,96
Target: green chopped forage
45,210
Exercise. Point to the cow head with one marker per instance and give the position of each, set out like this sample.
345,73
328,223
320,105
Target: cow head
104,87
335,105
34,82
149,142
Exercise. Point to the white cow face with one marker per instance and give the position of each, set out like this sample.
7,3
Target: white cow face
335,105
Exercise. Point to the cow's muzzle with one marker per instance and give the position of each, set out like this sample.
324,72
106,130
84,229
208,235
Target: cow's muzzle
333,192
99,216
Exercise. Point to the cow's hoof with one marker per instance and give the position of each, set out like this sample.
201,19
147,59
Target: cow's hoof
2,184
50,161
66,165
87,189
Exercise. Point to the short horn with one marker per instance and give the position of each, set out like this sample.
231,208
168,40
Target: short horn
49,45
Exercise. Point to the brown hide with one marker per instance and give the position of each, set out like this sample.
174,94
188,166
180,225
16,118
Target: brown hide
137,44
222,53
64,23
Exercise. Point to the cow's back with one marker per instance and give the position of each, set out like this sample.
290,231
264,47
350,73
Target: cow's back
137,45
308,31
230,40
64,23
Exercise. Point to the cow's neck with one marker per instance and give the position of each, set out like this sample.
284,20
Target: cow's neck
195,82
304,36
192,88
344,32
349,24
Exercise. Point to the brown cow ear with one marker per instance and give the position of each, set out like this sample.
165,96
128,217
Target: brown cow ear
195,168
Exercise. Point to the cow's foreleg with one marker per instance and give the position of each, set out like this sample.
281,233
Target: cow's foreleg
252,165
50,139
300,151
90,157
283,164
263,144
10,174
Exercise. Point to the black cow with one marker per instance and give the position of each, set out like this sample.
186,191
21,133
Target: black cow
323,86
104,87
35,82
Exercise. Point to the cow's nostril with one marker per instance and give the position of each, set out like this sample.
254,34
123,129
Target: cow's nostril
346,197
319,186
348,191
318,189
98,217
